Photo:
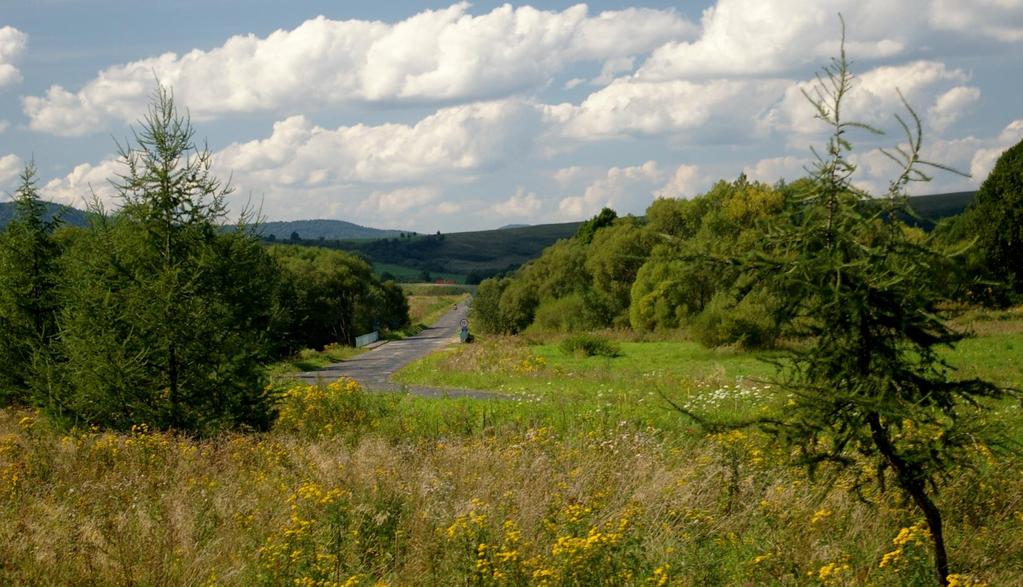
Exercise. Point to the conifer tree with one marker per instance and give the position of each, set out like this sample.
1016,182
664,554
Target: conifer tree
867,383
28,301
167,316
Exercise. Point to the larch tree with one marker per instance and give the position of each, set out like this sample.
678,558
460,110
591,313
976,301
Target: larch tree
867,393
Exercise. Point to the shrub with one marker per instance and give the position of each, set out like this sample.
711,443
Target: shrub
747,324
567,314
589,345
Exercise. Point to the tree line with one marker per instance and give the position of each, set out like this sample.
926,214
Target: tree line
154,313
674,268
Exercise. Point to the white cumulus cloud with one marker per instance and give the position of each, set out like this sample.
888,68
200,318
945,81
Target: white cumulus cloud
12,46
434,56
85,183
520,204
770,170
950,106
975,156
629,106
455,141
874,97
753,37
624,189
448,208
684,183
983,161
997,19
10,167
394,202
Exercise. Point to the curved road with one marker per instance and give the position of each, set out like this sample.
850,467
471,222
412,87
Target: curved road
373,368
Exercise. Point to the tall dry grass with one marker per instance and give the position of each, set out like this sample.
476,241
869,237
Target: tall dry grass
503,506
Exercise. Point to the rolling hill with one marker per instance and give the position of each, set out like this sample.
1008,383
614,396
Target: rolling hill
464,255
71,216
459,255
322,229
934,207
478,254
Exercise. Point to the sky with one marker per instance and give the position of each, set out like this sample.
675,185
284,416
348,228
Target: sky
434,116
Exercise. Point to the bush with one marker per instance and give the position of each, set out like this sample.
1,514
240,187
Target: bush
567,314
747,324
589,345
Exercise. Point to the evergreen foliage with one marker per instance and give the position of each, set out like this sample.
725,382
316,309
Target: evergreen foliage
868,387
996,219
28,299
166,318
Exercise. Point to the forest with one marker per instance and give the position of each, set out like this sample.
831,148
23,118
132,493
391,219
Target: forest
679,266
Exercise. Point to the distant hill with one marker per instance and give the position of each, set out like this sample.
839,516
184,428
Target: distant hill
473,255
71,216
485,253
307,229
460,255
513,226
934,207
322,229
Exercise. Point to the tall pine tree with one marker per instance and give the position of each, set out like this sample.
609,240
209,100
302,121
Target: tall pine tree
28,301
167,317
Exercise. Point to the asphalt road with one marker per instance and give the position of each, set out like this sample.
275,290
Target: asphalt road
373,368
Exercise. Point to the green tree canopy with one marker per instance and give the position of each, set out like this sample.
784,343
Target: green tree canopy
996,219
166,318
28,298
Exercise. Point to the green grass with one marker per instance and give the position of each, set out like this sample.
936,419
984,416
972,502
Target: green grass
311,360
572,392
585,475
641,366
997,358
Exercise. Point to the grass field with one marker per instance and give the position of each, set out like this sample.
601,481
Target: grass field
585,477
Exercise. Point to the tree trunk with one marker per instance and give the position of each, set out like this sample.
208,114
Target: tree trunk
912,484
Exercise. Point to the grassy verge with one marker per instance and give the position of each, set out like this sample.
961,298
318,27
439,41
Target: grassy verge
311,360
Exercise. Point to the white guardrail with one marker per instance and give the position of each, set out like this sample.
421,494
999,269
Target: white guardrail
365,339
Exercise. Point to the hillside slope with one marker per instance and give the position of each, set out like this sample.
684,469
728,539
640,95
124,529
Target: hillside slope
474,254
322,229
934,207
71,216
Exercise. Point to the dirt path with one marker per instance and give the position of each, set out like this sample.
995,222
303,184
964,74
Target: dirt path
373,369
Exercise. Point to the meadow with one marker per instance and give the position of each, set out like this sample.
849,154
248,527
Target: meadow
584,476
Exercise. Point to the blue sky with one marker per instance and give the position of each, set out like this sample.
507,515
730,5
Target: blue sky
440,116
